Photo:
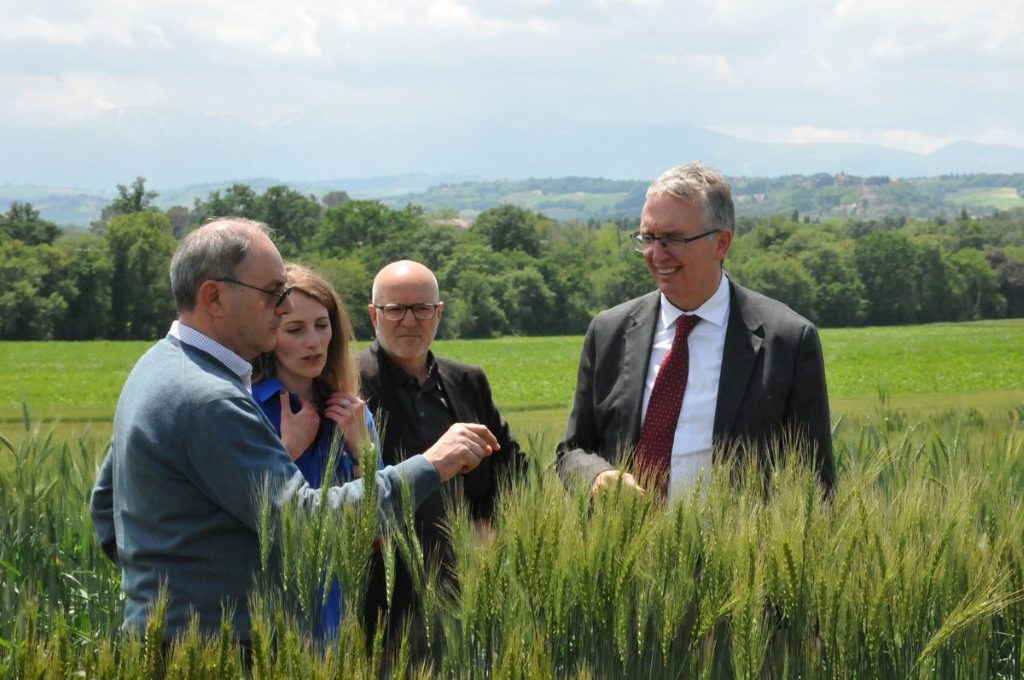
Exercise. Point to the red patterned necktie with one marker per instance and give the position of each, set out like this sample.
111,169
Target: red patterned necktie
659,428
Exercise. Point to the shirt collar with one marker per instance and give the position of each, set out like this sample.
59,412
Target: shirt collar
266,388
401,377
235,363
714,310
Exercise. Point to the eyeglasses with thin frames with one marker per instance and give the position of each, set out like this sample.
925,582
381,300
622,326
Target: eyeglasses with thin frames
421,311
281,297
673,243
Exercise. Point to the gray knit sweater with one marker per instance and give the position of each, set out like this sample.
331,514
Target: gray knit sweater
174,501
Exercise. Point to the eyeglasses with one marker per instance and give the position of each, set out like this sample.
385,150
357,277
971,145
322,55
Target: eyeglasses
281,297
421,311
673,243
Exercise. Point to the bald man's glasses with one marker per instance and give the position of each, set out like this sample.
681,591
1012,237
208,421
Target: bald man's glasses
421,311
281,296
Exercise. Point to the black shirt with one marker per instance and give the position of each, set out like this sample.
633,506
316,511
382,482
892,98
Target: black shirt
426,405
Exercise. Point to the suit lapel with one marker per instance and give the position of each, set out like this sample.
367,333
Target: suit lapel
639,336
743,339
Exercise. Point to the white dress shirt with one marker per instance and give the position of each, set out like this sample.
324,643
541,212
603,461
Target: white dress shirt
691,447
236,364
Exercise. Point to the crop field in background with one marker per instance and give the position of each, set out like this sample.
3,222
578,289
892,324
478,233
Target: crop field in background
1002,198
73,386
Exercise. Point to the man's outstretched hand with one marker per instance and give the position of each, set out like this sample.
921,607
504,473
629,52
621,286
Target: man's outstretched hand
461,449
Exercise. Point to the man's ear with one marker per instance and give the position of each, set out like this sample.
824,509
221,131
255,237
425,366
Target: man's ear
373,314
724,240
440,310
210,298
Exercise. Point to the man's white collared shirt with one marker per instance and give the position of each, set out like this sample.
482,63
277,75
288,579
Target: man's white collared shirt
692,445
235,363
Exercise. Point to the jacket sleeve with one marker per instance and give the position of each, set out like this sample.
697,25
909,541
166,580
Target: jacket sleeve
577,460
808,408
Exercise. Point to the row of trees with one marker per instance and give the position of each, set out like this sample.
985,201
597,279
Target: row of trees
512,272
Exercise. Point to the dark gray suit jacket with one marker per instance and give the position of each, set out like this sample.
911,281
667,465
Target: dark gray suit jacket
772,382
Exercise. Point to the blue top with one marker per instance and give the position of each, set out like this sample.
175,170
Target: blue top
313,461
313,464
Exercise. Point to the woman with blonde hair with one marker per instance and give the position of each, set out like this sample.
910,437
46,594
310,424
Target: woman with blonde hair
308,387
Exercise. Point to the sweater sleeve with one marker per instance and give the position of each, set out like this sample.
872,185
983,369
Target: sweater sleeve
101,507
233,453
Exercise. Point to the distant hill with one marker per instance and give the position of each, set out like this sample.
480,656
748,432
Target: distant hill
172,148
582,198
819,195
78,207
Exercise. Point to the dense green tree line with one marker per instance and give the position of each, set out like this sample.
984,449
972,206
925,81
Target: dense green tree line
513,271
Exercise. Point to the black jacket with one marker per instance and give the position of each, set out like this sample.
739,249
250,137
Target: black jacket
469,395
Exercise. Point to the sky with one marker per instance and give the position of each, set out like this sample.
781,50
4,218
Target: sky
907,74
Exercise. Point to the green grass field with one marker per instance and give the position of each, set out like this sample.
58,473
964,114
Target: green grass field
920,369
1002,198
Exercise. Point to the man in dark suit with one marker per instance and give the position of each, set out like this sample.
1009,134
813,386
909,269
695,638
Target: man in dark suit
415,396
748,370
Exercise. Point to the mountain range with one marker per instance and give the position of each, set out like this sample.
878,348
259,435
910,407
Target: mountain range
177,149
70,172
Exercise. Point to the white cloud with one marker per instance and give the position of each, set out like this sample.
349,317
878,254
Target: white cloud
627,3
452,15
906,73
716,65
980,25
890,46
74,96
263,27
462,17
1001,136
906,140
37,27
373,16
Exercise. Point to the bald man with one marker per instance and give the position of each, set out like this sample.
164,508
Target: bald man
416,396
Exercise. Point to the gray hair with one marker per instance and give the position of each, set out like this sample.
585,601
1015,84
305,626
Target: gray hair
213,251
703,185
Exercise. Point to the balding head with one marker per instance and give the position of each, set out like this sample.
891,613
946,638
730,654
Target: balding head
406,288
405,273
211,252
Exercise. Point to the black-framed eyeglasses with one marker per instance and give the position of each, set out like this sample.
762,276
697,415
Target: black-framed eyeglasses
671,242
281,297
421,311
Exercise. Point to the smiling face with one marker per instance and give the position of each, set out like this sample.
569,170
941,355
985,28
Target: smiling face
690,275
302,343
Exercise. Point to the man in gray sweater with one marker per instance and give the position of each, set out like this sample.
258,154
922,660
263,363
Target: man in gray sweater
175,501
